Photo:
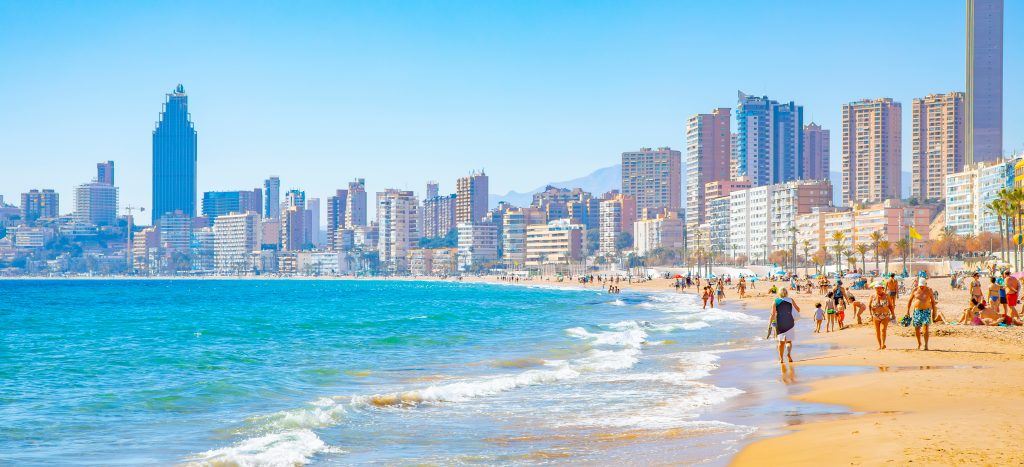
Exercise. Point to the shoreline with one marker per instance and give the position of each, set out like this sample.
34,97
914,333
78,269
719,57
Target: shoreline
899,405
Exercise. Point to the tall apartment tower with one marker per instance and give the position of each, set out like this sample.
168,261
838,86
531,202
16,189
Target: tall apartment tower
397,221
708,155
984,104
313,210
432,191
272,205
816,152
471,198
105,172
939,143
734,146
872,151
174,158
654,178
771,140
355,211
38,204
336,210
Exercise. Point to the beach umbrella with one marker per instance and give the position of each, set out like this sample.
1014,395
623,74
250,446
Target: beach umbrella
678,276
853,276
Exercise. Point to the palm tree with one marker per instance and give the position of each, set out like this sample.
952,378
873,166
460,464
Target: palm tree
839,245
807,252
863,250
876,239
886,247
903,248
996,208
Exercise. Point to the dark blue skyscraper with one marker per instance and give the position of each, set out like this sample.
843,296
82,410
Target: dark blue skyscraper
174,158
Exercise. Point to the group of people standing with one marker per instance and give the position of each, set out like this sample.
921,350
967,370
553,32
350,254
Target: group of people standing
921,312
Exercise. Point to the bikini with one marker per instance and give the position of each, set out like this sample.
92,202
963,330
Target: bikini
880,309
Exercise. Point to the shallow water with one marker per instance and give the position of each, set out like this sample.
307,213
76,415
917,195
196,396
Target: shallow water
357,372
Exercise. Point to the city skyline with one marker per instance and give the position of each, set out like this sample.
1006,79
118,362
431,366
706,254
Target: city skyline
232,130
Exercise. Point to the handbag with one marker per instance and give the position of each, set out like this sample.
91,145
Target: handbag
905,321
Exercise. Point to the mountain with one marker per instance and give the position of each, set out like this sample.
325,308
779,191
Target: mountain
598,182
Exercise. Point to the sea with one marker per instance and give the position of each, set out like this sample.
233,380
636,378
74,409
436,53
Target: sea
325,372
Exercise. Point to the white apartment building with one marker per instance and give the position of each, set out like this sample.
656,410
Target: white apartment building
95,204
398,232
664,232
478,243
556,242
235,239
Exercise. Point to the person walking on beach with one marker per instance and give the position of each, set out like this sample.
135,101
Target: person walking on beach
720,291
705,295
892,287
883,310
922,302
819,316
784,314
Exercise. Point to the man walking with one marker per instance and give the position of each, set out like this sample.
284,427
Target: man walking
922,302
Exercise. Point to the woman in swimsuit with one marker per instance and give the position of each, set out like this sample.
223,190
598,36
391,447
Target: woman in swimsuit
882,310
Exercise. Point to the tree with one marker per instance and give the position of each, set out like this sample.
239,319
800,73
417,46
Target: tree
623,240
903,249
839,246
885,247
876,239
807,252
863,250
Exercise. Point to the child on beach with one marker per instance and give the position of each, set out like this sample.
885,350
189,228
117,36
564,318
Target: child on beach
819,316
841,313
858,308
830,314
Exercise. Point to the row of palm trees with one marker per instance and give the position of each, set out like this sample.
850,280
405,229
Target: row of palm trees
1008,207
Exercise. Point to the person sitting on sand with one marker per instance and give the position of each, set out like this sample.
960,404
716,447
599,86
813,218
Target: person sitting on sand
784,314
922,302
858,308
882,311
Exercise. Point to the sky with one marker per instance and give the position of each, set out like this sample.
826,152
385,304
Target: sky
399,93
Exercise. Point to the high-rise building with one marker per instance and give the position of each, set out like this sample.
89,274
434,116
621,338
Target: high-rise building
478,244
313,210
771,140
336,206
174,158
763,219
235,238
272,203
105,172
95,204
872,150
294,198
556,242
969,193
219,203
355,211
938,143
471,198
514,224
816,152
294,236
984,100
653,177
175,230
664,231
617,217
38,204
432,191
734,156
708,155
398,232
438,216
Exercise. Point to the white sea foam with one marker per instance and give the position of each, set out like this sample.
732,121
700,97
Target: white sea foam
696,365
464,390
293,447
320,413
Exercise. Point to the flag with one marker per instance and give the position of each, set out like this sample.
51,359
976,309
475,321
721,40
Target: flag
914,234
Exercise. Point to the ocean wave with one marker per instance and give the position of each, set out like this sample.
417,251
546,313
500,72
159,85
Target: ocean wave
293,447
695,365
321,413
465,390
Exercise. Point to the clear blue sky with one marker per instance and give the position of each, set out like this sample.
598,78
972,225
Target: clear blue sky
403,92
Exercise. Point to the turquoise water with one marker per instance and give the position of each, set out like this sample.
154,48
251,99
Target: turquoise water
358,372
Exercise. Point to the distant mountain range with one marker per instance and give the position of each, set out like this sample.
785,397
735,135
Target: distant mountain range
598,182
610,178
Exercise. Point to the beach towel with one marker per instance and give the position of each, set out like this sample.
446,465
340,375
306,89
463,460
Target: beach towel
783,316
